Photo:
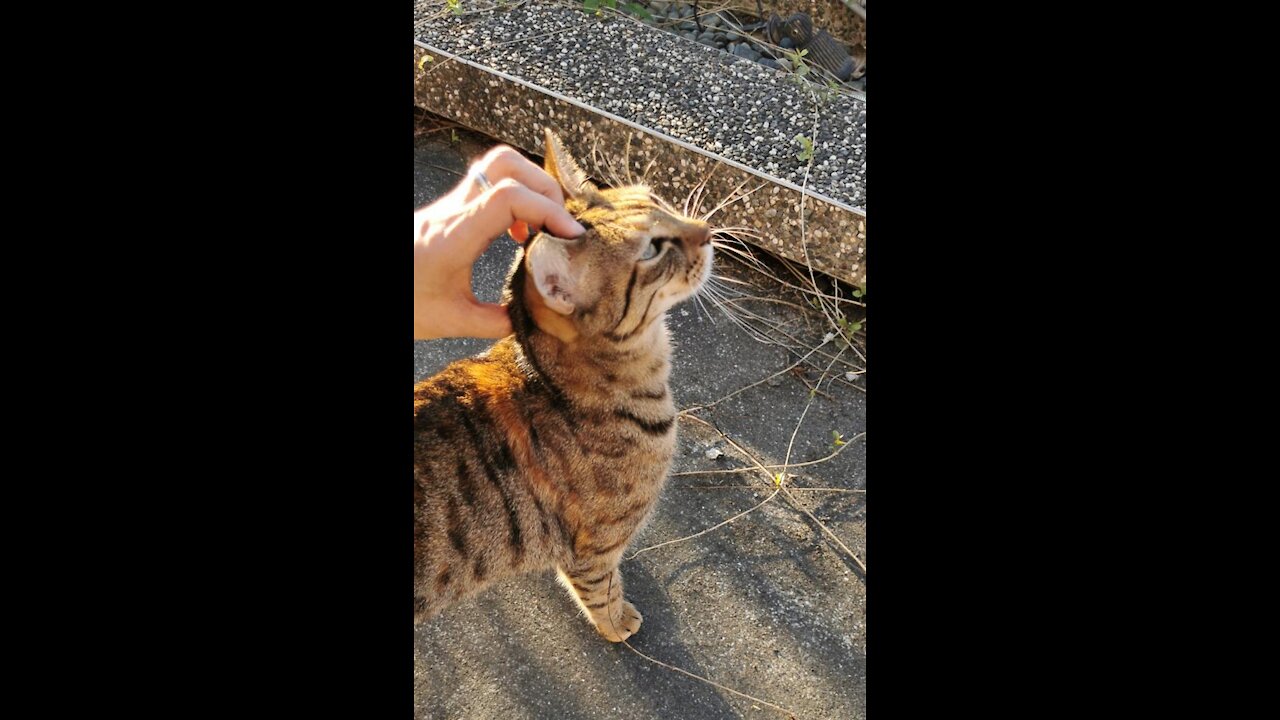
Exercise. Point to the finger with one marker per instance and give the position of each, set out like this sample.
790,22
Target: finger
504,162
485,320
498,209
519,231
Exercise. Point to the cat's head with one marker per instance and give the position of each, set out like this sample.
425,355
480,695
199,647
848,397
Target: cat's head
637,258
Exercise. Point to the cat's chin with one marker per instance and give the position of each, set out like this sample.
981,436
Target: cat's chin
708,257
703,275
670,299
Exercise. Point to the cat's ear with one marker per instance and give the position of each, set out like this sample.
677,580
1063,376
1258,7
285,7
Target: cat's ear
561,166
552,274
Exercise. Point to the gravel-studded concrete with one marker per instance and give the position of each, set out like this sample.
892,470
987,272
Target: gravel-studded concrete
766,605
769,212
725,104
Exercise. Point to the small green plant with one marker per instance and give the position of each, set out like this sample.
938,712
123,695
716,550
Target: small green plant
595,6
454,136
846,329
849,328
806,148
800,75
799,68
837,439
639,11
425,59
829,91
455,6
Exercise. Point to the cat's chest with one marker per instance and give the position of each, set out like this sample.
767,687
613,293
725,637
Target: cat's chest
632,438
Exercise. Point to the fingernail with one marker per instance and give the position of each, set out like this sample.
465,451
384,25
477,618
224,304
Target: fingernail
580,229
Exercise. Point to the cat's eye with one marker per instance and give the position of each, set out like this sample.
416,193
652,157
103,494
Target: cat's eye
653,248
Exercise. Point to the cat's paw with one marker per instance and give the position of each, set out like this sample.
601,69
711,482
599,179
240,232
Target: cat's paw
622,625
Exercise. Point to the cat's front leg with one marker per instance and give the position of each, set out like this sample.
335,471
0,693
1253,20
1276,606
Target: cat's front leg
597,586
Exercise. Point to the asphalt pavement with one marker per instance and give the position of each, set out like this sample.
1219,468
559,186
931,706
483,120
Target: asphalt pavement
769,605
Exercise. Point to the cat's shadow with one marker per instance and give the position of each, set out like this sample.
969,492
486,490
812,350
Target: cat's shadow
784,586
528,638
834,664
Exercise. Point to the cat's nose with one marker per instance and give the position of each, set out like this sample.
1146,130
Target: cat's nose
700,236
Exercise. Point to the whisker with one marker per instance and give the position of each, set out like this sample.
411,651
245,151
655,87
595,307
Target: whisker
644,176
729,199
737,253
716,299
729,237
697,297
731,231
736,281
729,242
718,282
626,159
662,203
742,325
735,245
716,285
701,187
736,318
749,263
733,198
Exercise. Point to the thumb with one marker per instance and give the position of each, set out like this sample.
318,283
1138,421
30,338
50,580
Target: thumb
486,320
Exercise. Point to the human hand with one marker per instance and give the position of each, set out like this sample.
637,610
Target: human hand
450,234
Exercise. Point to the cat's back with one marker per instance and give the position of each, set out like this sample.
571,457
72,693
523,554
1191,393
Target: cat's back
498,401
477,517
514,471
472,405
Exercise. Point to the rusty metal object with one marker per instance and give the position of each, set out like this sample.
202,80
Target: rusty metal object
857,6
847,27
823,49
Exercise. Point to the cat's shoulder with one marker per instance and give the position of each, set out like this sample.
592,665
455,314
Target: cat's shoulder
493,371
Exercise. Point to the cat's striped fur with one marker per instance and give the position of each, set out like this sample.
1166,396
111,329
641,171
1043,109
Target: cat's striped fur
549,449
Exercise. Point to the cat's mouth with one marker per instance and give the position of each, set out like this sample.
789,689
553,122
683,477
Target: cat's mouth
695,278
702,269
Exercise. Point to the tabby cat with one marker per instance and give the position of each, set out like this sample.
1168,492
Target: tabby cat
550,449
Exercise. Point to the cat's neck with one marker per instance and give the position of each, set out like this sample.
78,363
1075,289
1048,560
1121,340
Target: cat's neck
554,352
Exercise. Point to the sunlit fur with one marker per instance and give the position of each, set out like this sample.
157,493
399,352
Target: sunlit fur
549,450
